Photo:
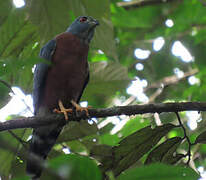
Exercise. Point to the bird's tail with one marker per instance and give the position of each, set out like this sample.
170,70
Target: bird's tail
42,141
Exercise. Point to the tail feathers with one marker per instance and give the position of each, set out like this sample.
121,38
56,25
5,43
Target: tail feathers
43,140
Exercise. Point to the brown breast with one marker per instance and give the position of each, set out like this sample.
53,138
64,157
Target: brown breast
68,72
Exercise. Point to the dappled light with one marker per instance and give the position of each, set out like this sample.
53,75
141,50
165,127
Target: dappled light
158,43
169,23
179,50
20,104
136,89
19,3
139,67
141,54
178,72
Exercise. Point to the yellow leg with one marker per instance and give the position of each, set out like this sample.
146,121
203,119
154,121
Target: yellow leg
79,108
62,110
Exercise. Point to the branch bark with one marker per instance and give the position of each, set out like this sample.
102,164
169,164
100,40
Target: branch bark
33,122
139,3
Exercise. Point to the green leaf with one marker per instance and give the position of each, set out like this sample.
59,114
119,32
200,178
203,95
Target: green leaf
133,125
164,152
75,130
4,94
102,76
73,167
133,147
5,10
142,18
101,151
50,16
201,138
160,172
7,156
109,139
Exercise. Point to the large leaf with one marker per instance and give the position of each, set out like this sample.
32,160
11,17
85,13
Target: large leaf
133,147
164,152
133,125
75,130
6,7
4,93
73,167
201,138
138,18
105,80
160,172
16,35
50,16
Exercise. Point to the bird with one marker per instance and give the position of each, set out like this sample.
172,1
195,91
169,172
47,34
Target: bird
59,81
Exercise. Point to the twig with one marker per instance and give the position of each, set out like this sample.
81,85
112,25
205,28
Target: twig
186,137
7,85
18,139
170,80
10,87
33,122
167,81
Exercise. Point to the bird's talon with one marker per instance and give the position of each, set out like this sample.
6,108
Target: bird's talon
57,111
63,110
79,108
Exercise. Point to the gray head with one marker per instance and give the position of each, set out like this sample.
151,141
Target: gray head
83,27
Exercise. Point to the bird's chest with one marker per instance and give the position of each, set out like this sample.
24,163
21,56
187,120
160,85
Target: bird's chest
67,75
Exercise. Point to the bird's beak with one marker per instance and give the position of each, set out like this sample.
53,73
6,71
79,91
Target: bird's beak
94,23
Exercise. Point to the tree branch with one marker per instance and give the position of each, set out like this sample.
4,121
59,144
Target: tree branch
170,80
33,122
139,3
167,81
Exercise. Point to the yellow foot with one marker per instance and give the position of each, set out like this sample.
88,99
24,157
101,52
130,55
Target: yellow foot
79,108
63,110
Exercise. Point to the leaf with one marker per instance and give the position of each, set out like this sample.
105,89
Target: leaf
21,178
201,138
75,130
133,147
50,16
171,157
142,18
7,157
73,167
5,10
133,125
164,152
4,94
160,172
102,76
18,72
109,139
101,151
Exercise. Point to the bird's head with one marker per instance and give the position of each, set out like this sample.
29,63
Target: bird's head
83,27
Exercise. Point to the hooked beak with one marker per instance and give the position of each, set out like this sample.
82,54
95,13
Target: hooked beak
94,23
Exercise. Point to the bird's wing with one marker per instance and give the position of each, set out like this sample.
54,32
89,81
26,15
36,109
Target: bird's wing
40,72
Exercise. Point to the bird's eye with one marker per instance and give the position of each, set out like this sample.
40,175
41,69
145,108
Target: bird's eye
83,19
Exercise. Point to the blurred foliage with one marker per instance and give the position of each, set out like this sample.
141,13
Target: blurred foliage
109,146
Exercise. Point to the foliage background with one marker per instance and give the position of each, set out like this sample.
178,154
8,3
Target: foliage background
24,30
